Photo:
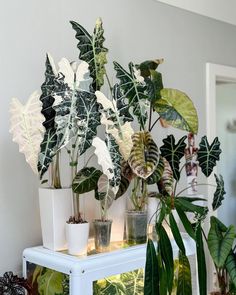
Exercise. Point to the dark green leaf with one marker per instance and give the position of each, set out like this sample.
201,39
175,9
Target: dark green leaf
230,265
177,109
165,185
186,223
134,89
176,233
201,262
220,243
92,51
208,155
124,184
86,180
157,174
219,193
151,271
190,207
149,65
184,277
173,153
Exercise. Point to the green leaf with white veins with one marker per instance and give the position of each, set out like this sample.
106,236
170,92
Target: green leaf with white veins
134,88
219,193
92,51
177,109
76,106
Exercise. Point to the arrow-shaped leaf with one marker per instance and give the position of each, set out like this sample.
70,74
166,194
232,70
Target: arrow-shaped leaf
92,51
133,87
208,155
177,109
219,193
173,153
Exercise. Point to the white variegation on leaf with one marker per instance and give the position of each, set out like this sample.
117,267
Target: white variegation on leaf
26,127
104,158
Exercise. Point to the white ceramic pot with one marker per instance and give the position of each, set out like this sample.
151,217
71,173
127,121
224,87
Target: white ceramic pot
55,209
77,238
117,214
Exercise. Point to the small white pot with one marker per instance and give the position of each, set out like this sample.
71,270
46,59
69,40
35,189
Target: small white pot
55,209
77,238
117,214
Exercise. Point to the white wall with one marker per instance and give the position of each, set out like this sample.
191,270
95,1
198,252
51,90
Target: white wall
135,30
218,9
225,113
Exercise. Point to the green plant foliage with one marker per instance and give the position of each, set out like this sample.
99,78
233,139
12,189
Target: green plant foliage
220,242
124,184
173,153
165,185
188,206
176,233
219,193
184,278
156,176
186,223
149,65
133,87
230,265
92,51
151,271
208,155
48,145
86,180
50,282
201,262
144,156
177,109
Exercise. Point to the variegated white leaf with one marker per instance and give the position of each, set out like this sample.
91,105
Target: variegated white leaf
106,191
26,127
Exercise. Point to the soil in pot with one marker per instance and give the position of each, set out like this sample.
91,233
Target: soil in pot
102,235
136,227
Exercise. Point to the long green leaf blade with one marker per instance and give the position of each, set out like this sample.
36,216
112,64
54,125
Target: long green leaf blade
176,233
184,278
201,262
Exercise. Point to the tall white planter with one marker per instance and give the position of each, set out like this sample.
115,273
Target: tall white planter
77,238
117,214
55,209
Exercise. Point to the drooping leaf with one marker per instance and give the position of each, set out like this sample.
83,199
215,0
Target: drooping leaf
177,109
151,271
144,156
50,282
26,127
92,51
149,65
157,174
220,243
208,155
76,107
124,184
165,185
184,276
173,153
188,206
126,176
186,223
86,180
219,193
133,87
230,265
176,233
47,151
201,262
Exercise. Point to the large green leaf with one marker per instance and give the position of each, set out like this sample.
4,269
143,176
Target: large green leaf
151,271
220,243
208,155
47,151
134,88
230,265
167,256
155,177
144,156
201,262
177,109
173,153
176,233
219,193
76,107
50,282
48,146
86,180
92,51
184,277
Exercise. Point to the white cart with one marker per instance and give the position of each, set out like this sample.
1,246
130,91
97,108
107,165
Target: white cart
83,271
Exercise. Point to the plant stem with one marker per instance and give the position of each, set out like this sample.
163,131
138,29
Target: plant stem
55,172
154,123
150,117
176,182
199,184
109,83
74,166
85,165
